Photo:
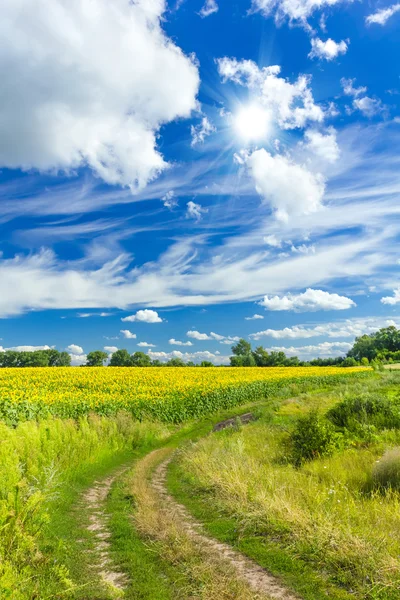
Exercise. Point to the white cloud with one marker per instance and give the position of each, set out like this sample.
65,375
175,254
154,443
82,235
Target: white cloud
291,105
320,350
201,131
179,343
90,83
128,334
303,249
195,211
110,349
26,348
293,10
196,335
217,336
383,15
392,300
170,200
308,301
196,357
78,359
74,349
143,316
290,188
87,315
210,7
368,106
349,89
324,146
254,318
145,345
328,50
349,328
272,240
222,339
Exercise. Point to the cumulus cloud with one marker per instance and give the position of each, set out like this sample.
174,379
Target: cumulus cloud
26,348
291,105
366,105
143,316
349,328
174,342
293,10
254,318
380,17
146,345
324,146
319,350
273,241
74,349
90,83
309,301
210,7
195,211
201,131
290,188
110,349
128,334
77,360
196,335
392,300
196,357
170,200
328,50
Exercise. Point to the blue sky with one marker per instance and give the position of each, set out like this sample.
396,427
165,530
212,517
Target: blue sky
207,169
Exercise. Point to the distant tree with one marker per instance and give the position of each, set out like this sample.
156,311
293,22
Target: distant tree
156,363
206,363
96,358
261,357
63,360
176,362
190,364
242,348
140,359
121,358
350,362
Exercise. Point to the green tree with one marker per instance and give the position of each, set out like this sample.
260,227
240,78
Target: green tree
242,348
206,363
176,362
261,357
121,358
140,359
96,358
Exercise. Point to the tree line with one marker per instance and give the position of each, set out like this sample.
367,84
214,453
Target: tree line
380,347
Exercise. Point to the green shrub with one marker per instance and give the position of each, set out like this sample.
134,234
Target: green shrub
371,409
312,437
386,473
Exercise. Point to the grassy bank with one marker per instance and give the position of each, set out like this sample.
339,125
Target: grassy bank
325,526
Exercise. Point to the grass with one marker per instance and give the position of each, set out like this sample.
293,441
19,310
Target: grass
46,466
323,528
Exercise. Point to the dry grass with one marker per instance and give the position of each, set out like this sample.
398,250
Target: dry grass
204,574
321,511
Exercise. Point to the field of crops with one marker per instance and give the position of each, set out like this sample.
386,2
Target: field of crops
166,394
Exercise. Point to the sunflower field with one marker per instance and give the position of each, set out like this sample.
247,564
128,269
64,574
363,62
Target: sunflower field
170,394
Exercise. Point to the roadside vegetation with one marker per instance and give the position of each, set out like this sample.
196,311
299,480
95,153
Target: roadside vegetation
311,488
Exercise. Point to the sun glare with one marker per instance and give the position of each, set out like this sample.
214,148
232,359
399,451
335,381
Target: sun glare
252,122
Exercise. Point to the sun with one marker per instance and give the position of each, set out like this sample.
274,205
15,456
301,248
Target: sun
253,122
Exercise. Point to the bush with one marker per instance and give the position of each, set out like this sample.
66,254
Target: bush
354,413
312,437
386,473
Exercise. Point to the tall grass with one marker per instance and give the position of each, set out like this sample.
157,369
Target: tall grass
38,461
327,512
